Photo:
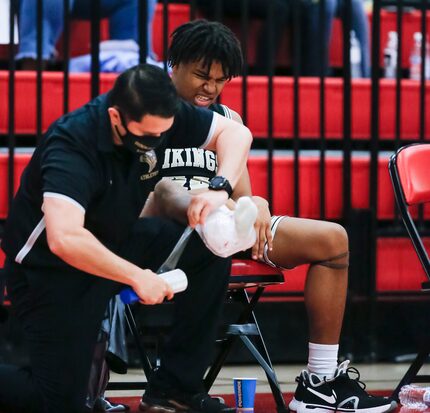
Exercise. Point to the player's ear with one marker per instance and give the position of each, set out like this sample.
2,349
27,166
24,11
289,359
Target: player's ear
174,70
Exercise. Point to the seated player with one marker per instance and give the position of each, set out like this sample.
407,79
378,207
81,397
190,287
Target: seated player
204,56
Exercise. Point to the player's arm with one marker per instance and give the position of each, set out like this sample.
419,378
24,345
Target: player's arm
78,247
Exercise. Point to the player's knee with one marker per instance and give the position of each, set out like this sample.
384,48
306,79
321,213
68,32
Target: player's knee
336,240
163,189
336,248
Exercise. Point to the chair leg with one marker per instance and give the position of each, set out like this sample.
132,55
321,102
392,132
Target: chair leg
259,351
146,364
412,372
270,373
242,297
214,370
263,354
144,360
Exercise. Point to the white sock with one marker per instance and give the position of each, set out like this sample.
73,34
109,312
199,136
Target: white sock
323,359
245,215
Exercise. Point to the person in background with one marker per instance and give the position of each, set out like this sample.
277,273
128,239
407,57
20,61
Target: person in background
257,9
310,65
123,26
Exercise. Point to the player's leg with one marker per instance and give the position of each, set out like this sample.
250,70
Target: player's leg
323,245
324,385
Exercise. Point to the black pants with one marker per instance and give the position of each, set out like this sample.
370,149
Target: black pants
61,312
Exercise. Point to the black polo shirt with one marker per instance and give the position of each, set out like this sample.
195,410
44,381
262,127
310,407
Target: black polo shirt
77,161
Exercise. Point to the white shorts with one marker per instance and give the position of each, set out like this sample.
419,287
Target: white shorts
275,221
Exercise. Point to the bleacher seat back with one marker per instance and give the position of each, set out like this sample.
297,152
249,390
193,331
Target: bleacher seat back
413,165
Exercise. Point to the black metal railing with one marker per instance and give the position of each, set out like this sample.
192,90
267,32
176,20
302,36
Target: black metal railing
295,146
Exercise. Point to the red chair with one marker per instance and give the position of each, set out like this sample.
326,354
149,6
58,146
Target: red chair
410,175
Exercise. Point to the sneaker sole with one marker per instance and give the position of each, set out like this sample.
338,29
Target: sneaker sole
301,407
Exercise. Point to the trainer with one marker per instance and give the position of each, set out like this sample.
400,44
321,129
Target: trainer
73,238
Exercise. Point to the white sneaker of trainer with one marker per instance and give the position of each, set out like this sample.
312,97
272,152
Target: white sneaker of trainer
226,231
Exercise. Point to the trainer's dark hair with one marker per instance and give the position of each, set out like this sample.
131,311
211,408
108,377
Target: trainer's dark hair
207,41
144,90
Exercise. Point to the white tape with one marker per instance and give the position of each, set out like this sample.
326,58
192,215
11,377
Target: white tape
176,279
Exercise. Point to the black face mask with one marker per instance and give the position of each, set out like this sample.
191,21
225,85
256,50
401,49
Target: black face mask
135,143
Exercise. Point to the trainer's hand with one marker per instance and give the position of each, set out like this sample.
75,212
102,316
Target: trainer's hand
151,288
203,204
262,228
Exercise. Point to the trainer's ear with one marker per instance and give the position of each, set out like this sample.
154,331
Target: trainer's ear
115,119
114,116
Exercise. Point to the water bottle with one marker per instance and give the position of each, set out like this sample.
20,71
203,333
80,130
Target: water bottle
390,56
415,58
355,55
415,396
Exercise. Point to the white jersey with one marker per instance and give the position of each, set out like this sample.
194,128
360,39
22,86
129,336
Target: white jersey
192,168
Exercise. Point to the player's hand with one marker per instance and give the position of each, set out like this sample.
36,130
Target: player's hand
203,204
151,288
262,228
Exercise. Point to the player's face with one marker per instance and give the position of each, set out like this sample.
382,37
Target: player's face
198,85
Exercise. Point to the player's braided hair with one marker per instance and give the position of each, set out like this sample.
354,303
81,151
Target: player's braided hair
209,42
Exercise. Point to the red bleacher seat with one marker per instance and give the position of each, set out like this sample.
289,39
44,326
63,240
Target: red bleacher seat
283,198
52,107
25,96
20,163
309,124
398,267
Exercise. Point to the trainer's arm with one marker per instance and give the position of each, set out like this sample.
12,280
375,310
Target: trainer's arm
231,142
78,247
263,223
243,186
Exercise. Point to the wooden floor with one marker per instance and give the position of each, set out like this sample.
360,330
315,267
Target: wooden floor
378,376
